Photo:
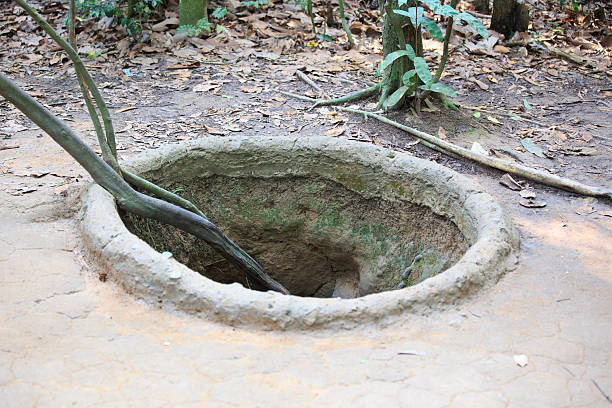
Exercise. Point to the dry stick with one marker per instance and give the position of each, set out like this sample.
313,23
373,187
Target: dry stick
606,396
309,81
516,169
127,198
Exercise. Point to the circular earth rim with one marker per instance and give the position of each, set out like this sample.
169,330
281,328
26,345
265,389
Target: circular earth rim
165,282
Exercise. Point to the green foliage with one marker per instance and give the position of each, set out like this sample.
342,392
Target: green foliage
421,77
129,14
390,58
219,13
202,26
302,3
256,4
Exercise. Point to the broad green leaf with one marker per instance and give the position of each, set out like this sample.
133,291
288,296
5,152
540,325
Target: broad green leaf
433,29
432,4
422,70
395,98
474,22
526,105
443,89
414,13
446,11
406,79
476,115
390,58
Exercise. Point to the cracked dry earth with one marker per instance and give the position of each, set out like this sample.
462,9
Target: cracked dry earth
69,339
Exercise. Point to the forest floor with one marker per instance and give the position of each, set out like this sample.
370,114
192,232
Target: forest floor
70,339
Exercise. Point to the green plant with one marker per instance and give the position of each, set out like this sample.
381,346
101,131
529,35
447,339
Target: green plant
256,4
406,66
219,13
202,26
127,13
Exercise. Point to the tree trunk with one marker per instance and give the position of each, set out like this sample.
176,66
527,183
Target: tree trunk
482,6
509,16
190,11
392,77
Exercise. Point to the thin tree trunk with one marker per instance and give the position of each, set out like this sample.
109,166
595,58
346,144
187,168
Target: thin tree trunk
128,198
509,16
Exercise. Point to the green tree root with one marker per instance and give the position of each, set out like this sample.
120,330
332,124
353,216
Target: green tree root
128,198
364,93
344,24
516,169
103,139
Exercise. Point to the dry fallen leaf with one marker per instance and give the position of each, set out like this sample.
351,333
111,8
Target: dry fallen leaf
253,89
60,189
481,84
214,131
477,148
335,132
532,203
587,207
441,133
521,360
493,120
527,193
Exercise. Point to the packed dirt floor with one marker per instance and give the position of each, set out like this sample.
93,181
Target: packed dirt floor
540,338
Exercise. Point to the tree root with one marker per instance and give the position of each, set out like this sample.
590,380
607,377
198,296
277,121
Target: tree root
355,96
516,169
175,211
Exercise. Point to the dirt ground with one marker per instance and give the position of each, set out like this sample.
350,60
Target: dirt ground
69,339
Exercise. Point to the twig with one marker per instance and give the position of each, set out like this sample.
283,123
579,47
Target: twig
606,396
309,81
9,147
517,169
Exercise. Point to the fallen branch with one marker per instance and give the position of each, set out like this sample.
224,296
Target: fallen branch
516,169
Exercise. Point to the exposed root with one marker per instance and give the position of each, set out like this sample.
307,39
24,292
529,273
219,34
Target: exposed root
355,96
516,169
